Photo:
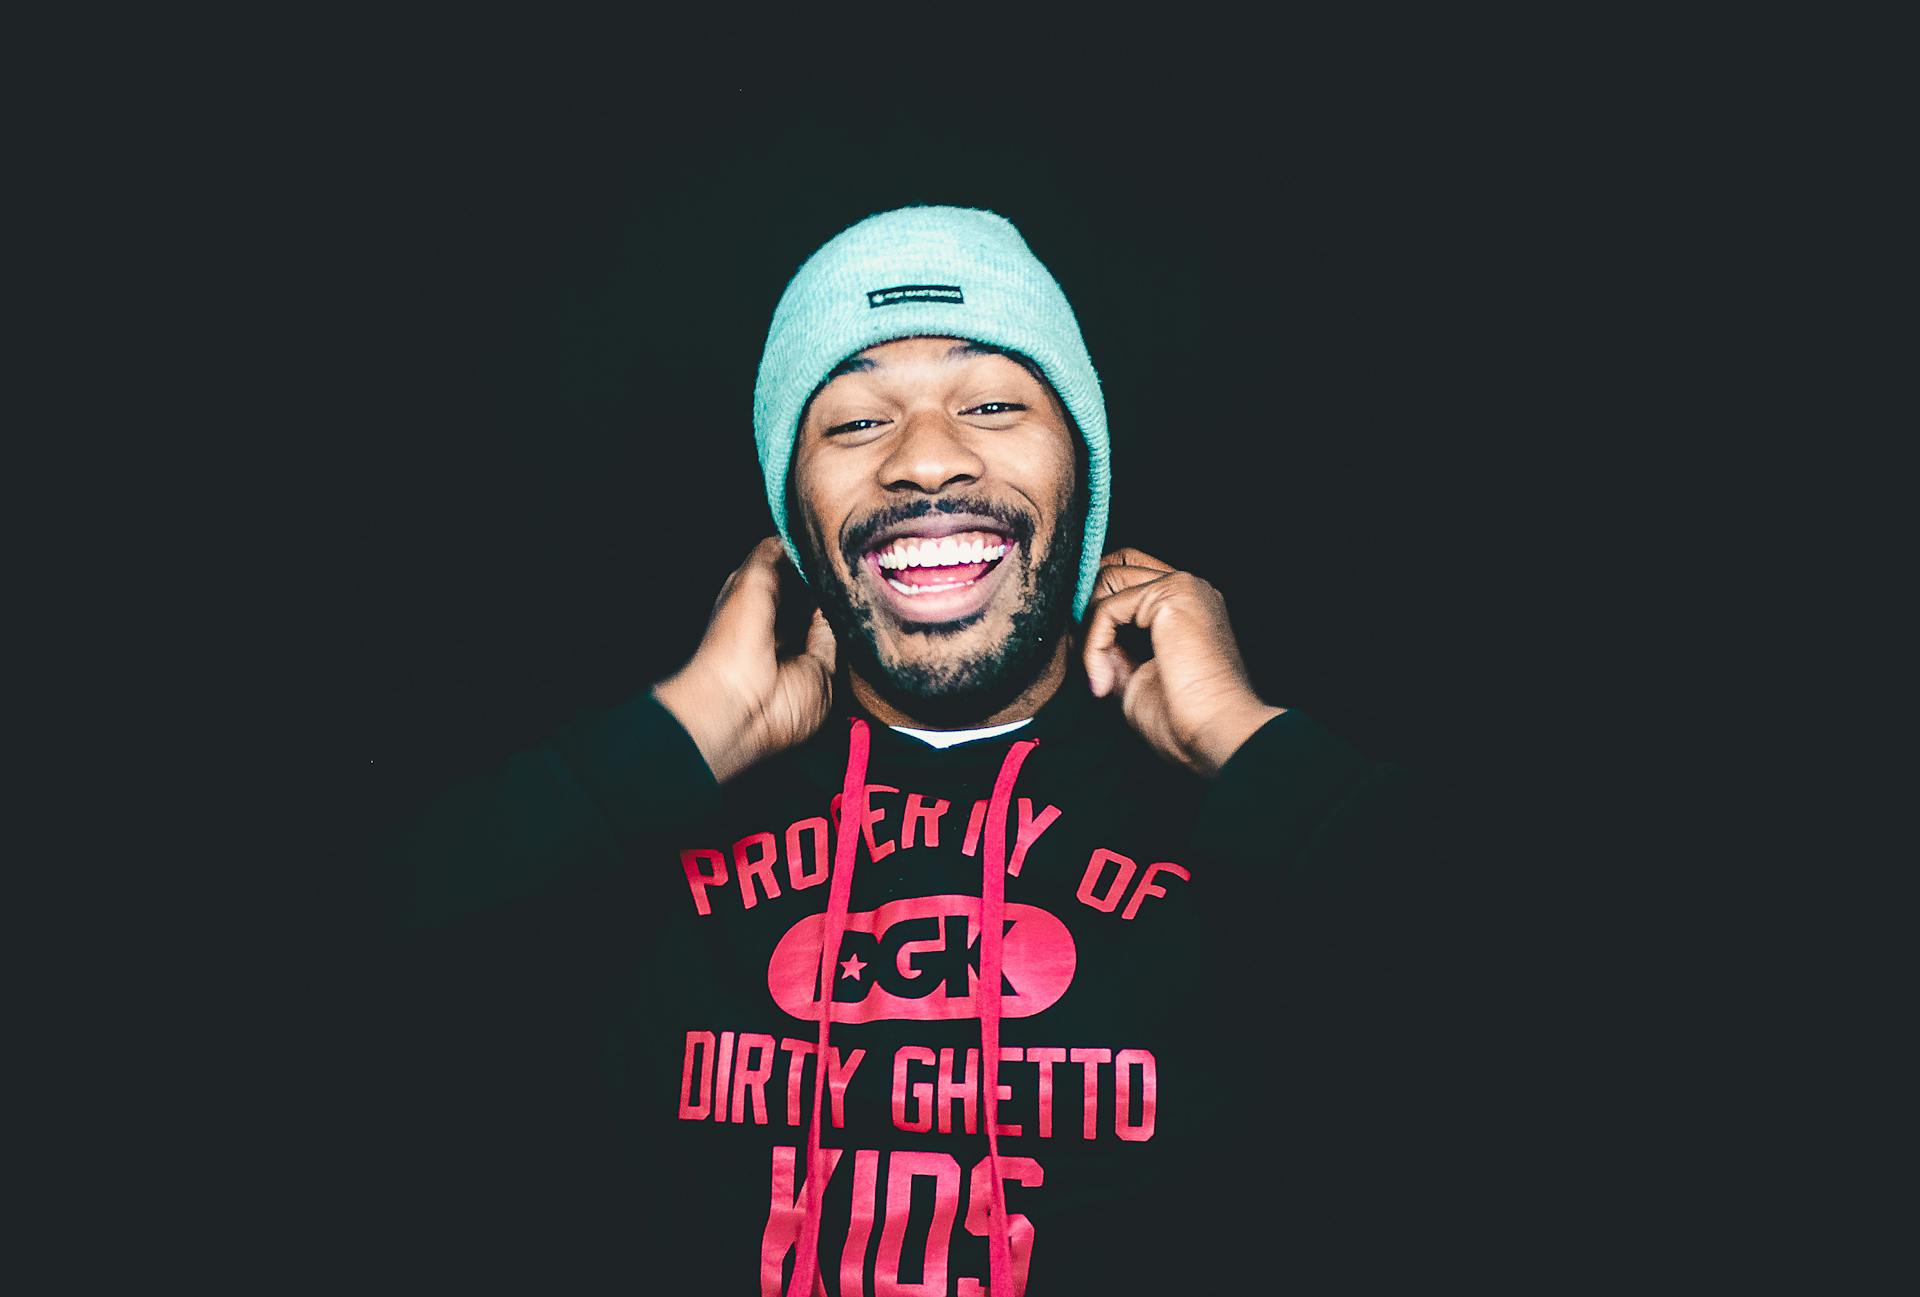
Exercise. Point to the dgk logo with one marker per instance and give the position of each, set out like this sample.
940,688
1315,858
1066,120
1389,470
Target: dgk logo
920,958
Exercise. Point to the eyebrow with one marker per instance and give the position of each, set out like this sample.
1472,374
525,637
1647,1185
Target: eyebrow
959,351
851,365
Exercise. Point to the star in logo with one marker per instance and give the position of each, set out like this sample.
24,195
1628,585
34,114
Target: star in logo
851,966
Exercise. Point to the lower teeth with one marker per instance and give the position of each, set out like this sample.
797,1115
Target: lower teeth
926,589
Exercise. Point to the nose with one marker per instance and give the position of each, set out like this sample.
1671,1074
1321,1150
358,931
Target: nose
930,454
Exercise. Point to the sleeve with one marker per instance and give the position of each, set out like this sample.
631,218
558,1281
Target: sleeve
597,796
1307,808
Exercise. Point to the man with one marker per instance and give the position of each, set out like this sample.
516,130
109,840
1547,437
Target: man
912,956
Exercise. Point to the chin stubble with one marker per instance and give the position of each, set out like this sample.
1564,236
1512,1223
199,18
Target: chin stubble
977,684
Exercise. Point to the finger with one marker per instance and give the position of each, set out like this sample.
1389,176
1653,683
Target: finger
1115,577
808,675
1107,665
752,593
1129,557
821,643
765,556
732,582
1137,704
1109,672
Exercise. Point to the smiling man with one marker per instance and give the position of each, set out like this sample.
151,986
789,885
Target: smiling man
939,484
914,957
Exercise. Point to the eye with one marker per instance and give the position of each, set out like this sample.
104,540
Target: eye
854,425
997,407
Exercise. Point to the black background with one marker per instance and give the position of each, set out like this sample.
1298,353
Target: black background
1444,351
1375,369
1362,372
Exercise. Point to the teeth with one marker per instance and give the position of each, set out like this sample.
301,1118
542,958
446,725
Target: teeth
926,589
945,552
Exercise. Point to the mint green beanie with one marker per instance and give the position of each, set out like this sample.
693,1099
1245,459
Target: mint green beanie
956,272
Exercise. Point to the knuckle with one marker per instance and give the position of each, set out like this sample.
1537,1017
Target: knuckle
1197,587
1186,734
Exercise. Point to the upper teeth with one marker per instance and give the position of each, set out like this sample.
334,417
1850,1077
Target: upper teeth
912,551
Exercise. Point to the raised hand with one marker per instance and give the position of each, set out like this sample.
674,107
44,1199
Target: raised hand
737,698
1191,700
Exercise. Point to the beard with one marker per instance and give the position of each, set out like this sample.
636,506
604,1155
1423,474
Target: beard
969,685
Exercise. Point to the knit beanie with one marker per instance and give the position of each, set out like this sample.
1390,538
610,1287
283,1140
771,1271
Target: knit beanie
956,272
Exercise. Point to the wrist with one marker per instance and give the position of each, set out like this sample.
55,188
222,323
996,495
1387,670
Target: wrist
1229,732
717,734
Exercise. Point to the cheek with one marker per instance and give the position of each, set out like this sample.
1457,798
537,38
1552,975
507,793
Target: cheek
830,499
1050,474
819,502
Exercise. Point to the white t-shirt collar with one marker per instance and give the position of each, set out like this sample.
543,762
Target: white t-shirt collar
951,738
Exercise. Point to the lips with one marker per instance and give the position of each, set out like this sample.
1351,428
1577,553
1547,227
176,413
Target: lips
938,569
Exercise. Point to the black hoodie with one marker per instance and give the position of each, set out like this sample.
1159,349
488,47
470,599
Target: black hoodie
615,1016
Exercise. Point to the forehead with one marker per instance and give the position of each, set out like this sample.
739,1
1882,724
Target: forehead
912,356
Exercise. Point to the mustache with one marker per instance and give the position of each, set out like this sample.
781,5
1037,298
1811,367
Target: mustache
1018,523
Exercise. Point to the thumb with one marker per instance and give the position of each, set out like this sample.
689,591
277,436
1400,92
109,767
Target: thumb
821,643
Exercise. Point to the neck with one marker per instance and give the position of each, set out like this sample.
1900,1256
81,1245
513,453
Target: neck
1031,699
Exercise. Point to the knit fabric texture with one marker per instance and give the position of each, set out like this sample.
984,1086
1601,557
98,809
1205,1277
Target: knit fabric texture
956,272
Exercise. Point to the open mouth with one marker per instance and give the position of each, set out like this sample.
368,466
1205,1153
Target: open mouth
940,568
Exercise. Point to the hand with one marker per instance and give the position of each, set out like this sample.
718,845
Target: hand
737,699
1191,699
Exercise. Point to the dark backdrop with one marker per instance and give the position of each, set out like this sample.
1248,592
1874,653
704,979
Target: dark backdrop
1349,363
1372,368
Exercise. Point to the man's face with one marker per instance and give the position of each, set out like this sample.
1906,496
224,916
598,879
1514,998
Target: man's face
939,515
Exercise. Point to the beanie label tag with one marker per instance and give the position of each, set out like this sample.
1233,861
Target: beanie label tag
915,293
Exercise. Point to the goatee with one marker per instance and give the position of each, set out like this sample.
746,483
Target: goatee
965,690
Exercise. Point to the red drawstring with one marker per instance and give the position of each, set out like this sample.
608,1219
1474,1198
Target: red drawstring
993,909
853,815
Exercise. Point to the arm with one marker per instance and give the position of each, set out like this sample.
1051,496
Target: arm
1300,798
615,785
1286,796
580,806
